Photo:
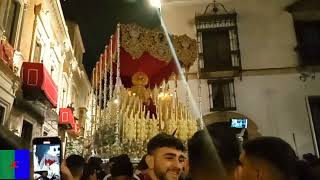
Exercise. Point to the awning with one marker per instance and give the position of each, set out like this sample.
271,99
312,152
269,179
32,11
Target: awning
37,80
66,119
75,131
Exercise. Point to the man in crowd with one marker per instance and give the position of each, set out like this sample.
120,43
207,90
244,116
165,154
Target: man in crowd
165,158
75,163
72,167
142,168
269,158
121,167
214,153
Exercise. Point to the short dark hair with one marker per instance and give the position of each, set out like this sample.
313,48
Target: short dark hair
225,143
142,165
76,164
164,140
275,151
121,166
95,162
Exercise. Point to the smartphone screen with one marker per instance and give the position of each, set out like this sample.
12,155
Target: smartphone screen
46,158
239,123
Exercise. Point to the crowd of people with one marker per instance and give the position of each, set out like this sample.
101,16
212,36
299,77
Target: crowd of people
212,154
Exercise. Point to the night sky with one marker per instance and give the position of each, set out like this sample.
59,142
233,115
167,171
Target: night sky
97,20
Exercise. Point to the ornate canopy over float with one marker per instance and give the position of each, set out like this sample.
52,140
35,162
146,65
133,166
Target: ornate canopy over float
132,99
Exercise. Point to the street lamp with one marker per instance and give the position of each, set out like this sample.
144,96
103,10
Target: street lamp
155,3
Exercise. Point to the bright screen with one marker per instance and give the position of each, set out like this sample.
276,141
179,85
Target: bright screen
46,158
239,123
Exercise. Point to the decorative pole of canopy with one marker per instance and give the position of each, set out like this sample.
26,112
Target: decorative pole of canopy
92,103
96,100
100,89
117,88
105,82
110,78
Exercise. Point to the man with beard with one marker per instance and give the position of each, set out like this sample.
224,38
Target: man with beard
165,158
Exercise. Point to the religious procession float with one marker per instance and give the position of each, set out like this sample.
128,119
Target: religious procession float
135,91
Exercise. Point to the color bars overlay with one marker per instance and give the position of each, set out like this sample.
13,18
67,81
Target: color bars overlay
14,164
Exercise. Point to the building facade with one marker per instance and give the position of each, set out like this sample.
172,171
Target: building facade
41,68
273,87
76,90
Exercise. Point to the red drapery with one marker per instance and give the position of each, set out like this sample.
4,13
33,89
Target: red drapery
35,77
157,70
66,118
